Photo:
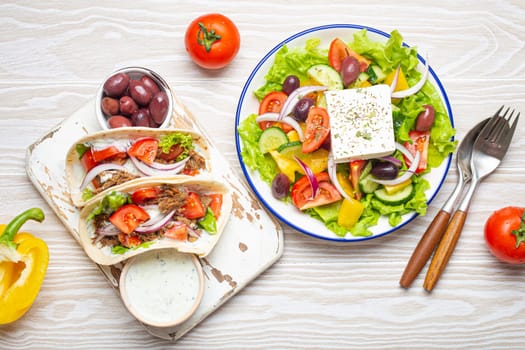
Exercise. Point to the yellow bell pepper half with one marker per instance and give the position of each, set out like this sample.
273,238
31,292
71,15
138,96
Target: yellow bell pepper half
349,213
23,265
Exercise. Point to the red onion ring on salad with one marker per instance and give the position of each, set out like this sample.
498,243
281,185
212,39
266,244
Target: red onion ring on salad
332,172
311,177
392,160
274,117
412,90
295,96
90,175
407,175
405,152
156,225
152,170
396,78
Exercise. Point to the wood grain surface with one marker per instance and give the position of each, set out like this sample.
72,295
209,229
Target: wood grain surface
53,57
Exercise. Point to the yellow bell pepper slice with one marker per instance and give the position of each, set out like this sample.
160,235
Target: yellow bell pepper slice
349,213
317,161
402,83
396,188
344,181
23,265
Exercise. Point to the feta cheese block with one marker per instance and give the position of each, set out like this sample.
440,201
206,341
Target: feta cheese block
361,123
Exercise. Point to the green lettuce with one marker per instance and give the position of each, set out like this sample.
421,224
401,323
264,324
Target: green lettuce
109,204
185,141
252,156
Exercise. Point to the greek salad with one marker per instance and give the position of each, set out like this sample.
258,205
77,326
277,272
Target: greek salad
328,141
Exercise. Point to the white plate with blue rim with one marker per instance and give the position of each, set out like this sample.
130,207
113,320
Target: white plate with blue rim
248,104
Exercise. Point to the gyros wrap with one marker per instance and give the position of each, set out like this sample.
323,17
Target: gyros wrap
188,214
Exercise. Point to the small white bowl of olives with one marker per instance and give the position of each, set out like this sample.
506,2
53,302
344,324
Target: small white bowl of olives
134,96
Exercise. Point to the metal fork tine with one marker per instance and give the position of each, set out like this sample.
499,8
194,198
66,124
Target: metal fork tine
501,127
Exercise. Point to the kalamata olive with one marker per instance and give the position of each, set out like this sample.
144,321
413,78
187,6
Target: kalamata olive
139,92
158,107
116,85
141,118
128,106
280,186
302,107
349,70
150,84
110,106
118,121
425,119
384,170
290,84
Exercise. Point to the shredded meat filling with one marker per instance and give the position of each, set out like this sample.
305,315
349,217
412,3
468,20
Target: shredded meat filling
119,177
172,197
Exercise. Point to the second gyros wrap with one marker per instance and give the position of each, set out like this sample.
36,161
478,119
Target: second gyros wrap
188,214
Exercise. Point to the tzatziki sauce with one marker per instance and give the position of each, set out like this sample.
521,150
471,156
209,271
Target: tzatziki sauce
162,286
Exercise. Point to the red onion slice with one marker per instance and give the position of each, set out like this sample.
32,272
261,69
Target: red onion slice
394,81
311,177
295,96
149,170
332,172
392,160
274,117
156,225
169,166
90,175
405,152
412,90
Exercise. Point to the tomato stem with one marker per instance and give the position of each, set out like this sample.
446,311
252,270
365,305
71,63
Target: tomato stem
520,233
206,37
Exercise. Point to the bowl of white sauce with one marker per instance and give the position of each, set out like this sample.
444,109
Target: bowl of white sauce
162,288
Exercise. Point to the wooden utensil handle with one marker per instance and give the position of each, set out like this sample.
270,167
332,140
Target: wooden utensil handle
445,249
424,248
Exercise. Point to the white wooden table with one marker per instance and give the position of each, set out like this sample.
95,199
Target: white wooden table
53,57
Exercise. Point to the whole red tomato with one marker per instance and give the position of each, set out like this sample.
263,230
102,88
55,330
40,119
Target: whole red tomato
212,41
505,234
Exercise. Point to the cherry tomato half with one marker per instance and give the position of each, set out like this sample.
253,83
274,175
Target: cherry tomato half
142,195
301,192
177,230
144,149
216,204
129,241
505,234
339,50
317,129
128,217
193,208
106,153
212,41
420,140
273,103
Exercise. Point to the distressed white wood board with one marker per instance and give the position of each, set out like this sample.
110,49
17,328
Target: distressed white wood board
252,241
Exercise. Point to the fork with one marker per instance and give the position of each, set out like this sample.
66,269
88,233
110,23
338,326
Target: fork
489,149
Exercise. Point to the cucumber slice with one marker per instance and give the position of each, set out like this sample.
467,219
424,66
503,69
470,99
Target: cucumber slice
396,198
367,185
271,138
290,148
376,74
326,75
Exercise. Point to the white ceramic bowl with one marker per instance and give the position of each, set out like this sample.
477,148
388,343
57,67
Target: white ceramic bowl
134,73
162,288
